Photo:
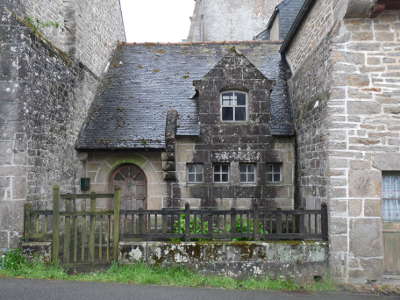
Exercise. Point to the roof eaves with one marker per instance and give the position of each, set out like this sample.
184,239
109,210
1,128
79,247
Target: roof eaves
303,13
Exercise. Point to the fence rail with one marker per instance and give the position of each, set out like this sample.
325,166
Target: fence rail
252,224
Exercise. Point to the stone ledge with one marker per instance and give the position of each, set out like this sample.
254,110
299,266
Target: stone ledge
297,260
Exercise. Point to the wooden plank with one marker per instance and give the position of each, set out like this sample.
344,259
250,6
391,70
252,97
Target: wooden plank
27,221
187,221
67,235
324,222
117,211
56,225
85,196
92,229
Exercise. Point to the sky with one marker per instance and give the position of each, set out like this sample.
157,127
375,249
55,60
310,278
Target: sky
157,20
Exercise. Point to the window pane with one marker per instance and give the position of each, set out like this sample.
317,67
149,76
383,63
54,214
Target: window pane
243,168
217,178
269,178
251,178
227,113
199,178
277,177
241,99
240,114
225,168
277,168
251,168
227,95
224,177
191,178
216,168
243,178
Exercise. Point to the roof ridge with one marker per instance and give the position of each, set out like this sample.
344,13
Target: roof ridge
198,43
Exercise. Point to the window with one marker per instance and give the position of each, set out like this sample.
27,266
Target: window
221,172
247,173
274,173
391,196
234,106
194,173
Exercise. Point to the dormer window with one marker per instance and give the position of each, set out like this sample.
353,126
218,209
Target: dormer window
233,106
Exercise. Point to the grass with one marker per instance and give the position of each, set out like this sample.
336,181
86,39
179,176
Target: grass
144,274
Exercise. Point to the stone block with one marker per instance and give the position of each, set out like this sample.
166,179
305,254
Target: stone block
338,225
366,237
11,215
363,107
360,164
365,183
19,186
6,152
4,239
372,208
355,207
338,243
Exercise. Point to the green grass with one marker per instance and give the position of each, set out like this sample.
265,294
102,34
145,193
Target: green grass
153,275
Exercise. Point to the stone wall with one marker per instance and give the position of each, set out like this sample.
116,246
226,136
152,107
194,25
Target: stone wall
241,196
309,90
88,30
45,98
365,78
300,261
233,20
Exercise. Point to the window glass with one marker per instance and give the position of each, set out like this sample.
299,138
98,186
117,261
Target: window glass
227,113
274,172
234,106
221,172
195,173
247,173
391,196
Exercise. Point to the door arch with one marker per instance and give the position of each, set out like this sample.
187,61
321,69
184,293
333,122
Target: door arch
132,181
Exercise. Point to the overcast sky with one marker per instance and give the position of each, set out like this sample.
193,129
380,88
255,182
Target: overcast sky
157,20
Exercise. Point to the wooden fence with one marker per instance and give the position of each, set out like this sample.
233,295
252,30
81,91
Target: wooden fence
80,235
252,224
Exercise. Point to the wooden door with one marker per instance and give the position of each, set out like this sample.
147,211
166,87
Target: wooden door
132,182
391,218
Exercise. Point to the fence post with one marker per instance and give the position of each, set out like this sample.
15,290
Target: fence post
187,221
324,221
141,221
56,225
27,221
117,215
256,225
302,228
233,222
92,228
279,221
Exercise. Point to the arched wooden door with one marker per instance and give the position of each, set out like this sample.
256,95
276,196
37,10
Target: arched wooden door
132,182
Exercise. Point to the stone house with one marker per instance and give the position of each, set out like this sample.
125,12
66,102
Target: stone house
208,124
343,58
308,118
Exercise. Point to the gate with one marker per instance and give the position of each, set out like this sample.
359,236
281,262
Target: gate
79,235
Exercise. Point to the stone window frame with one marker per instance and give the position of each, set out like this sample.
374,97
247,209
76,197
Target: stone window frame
196,173
221,172
247,173
234,106
273,172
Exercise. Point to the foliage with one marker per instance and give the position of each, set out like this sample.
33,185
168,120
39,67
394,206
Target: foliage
201,227
14,260
156,275
37,24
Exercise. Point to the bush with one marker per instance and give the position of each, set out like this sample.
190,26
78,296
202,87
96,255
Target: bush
14,260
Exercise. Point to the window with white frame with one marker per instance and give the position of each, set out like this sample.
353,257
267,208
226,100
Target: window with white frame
194,173
391,197
247,173
233,106
274,172
221,172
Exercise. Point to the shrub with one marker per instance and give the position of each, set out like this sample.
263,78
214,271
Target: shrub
14,260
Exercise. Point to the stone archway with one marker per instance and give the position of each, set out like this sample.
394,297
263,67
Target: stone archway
132,181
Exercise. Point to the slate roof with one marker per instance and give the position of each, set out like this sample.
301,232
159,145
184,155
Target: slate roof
287,11
144,81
